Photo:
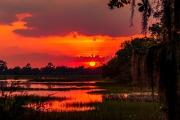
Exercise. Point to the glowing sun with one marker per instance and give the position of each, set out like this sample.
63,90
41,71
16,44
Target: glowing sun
92,63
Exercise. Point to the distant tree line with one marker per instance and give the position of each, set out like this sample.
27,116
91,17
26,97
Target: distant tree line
50,69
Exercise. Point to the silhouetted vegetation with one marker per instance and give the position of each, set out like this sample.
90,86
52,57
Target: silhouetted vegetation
50,69
119,66
160,61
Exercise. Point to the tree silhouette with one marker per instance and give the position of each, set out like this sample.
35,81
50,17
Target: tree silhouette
49,69
119,66
156,30
164,55
27,70
16,71
3,66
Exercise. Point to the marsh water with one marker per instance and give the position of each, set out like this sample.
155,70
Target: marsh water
66,95
73,95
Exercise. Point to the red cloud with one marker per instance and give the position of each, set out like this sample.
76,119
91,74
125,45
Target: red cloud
88,17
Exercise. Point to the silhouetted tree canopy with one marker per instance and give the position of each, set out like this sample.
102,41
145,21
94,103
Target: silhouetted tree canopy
3,67
119,66
49,69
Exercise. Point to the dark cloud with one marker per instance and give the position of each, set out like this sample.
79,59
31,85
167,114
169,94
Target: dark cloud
60,17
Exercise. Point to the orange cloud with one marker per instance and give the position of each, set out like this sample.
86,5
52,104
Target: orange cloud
74,44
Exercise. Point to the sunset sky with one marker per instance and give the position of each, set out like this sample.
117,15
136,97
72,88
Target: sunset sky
64,32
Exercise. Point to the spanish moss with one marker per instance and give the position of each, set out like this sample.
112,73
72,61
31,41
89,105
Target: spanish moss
133,4
146,12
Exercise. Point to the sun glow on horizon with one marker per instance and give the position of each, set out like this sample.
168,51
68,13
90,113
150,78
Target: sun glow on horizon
92,63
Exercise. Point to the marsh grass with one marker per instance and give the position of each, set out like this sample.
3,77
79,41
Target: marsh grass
107,110
133,110
34,98
104,111
13,108
82,104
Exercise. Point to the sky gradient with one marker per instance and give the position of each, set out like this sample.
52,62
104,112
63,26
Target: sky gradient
64,32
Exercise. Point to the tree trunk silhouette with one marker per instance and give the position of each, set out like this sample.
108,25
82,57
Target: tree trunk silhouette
177,31
167,60
161,62
168,79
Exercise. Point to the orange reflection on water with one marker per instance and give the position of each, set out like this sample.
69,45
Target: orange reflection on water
52,86
78,100
61,106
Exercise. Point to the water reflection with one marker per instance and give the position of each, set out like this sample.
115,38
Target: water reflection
52,86
75,96
3,83
28,84
135,96
48,85
77,100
